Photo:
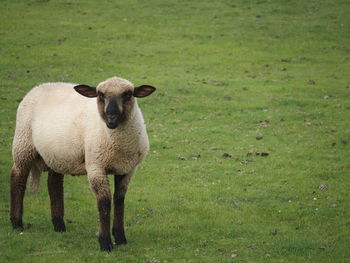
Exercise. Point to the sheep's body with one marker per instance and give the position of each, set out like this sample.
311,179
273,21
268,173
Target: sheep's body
63,126
63,132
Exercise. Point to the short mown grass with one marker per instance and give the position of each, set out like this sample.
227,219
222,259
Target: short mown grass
249,127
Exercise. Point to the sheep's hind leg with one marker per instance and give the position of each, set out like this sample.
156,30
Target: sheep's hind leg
23,155
19,176
120,189
55,187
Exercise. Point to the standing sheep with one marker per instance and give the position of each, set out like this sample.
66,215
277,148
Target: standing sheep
62,132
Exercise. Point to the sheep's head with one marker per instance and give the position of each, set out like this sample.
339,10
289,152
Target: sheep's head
115,98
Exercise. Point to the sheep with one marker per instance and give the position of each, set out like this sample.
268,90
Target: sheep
62,132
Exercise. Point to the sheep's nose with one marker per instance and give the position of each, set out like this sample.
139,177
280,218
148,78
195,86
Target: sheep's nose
112,118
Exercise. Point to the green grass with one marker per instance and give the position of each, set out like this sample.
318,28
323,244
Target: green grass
226,72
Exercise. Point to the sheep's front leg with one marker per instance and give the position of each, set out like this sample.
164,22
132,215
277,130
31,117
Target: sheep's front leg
99,185
55,187
120,188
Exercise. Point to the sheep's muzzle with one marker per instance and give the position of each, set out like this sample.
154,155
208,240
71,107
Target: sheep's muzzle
112,121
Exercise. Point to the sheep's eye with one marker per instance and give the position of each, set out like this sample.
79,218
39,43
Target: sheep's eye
127,96
101,95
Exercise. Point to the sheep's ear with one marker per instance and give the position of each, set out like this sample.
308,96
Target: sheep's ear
143,91
86,91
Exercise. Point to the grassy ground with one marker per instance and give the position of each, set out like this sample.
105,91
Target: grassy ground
227,72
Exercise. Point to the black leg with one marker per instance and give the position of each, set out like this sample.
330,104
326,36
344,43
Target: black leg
120,188
18,187
55,187
104,238
118,223
99,185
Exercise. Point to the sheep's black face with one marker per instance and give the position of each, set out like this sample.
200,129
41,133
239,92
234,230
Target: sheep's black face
115,99
115,109
113,114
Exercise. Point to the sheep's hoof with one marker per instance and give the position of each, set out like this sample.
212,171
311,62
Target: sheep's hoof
58,224
120,241
17,223
119,237
105,243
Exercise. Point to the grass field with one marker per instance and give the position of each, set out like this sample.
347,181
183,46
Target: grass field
249,127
